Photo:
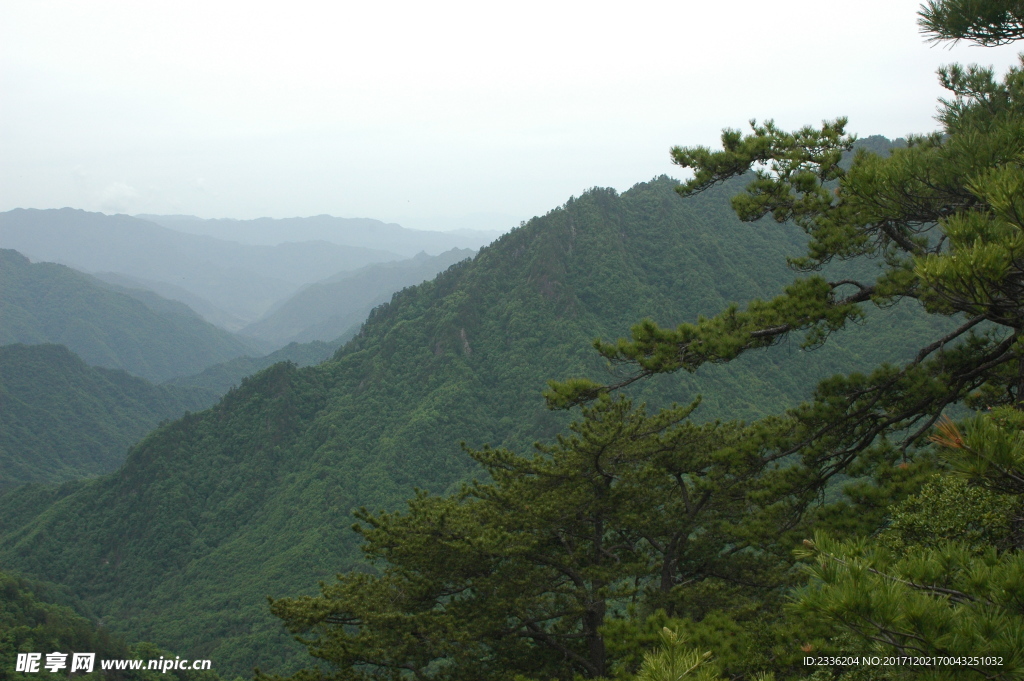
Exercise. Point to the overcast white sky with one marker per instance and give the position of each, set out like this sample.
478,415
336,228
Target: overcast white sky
425,112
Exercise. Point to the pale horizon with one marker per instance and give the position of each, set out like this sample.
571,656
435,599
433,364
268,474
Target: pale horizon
432,117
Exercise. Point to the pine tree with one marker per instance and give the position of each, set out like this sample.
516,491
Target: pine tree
941,222
944,221
521,574
948,592
675,661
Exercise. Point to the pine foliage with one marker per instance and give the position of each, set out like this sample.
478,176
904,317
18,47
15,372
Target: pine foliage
675,661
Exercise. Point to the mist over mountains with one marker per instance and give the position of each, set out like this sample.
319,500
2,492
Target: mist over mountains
231,284
67,412
313,291
240,279
333,309
357,232
134,330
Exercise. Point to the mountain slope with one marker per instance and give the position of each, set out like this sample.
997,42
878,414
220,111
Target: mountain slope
201,306
253,497
62,419
153,338
241,280
220,378
328,309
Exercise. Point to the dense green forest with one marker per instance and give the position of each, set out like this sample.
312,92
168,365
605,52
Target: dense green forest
213,513
61,419
219,378
153,338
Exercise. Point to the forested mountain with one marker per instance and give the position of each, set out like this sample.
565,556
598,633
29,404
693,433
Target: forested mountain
141,333
219,378
61,419
361,232
212,513
336,307
239,281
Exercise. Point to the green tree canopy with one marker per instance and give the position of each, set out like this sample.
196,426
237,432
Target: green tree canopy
521,574
946,578
940,222
986,22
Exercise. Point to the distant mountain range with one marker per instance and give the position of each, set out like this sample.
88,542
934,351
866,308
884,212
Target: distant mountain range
134,330
230,284
356,232
118,325
241,280
334,309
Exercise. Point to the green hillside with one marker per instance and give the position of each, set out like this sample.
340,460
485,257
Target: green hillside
219,378
61,419
335,308
153,338
214,512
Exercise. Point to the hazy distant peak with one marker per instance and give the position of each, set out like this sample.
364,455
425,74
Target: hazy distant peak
353,232
11,256
335,307
243,280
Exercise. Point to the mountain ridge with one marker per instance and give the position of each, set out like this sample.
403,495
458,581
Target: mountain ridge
61,419
362,232
242,280
141,333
